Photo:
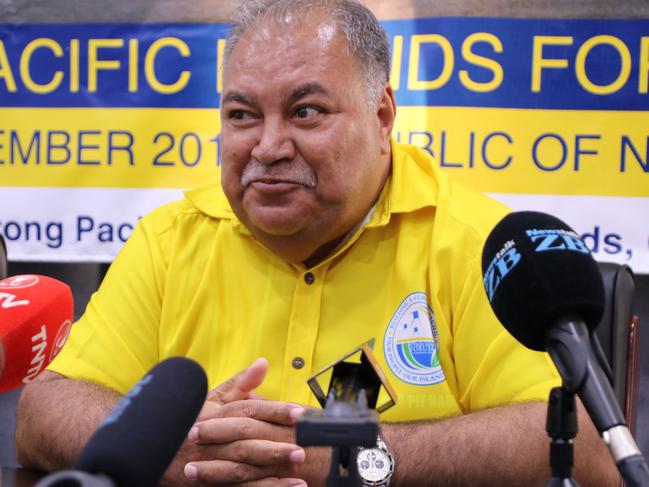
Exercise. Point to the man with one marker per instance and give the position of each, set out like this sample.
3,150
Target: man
326,233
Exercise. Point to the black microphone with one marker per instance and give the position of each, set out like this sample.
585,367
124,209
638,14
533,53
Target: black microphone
546,289
137,441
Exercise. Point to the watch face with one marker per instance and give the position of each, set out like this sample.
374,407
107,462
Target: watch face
374,464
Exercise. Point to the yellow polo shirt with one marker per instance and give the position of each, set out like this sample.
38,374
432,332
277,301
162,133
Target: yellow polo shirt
191,281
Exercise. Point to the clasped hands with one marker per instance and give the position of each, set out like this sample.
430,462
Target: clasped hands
242,439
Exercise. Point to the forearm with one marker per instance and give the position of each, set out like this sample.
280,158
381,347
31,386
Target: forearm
500,446
55,418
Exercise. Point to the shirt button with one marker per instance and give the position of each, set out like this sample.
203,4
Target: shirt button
297,363
309,278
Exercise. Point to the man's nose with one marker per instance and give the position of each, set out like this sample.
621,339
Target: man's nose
275,143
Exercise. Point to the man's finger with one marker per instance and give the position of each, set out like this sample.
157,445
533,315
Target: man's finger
226,430
241,385
262,453
276,412
209,410
225,472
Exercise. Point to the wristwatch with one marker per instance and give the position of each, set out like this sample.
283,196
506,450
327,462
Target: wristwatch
375,465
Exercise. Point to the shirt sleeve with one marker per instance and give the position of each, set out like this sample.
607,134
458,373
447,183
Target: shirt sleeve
115,342
493,368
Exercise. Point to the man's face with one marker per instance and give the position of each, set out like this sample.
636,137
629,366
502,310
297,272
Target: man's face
303,154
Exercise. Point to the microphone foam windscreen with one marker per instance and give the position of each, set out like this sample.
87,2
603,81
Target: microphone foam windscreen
36,314
536,269
138,439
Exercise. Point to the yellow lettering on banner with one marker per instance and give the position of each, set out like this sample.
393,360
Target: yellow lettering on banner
220,49
74,66
397,57
643,68
133,55
625,68
95,64
25,64
149,65
539,62
414,83
483,62
5,69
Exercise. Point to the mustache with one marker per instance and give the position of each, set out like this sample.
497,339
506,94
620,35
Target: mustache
290,173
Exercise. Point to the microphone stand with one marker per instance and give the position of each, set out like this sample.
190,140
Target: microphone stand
568,344
350,415
344,427
344,470
561,425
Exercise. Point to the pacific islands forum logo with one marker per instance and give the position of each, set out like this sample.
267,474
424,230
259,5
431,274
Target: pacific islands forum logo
411,343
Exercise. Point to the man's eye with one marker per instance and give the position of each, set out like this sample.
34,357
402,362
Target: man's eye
306,112
237,114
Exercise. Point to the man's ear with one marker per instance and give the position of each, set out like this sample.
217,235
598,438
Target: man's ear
386,111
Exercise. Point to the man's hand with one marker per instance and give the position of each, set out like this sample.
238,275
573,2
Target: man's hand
245,440
239,387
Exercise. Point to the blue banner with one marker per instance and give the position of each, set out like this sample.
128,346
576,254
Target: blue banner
472,62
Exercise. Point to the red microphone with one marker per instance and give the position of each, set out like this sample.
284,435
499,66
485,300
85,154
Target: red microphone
36,314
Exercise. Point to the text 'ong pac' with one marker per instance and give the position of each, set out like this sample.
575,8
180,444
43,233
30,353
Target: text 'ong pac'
48,232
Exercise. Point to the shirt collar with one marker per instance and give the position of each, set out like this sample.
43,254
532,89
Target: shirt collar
412,185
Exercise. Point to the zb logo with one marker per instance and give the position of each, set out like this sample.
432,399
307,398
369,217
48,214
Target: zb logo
542,241
545,240
502,264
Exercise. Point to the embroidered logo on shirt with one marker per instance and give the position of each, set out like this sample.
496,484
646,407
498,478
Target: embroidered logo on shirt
411,343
